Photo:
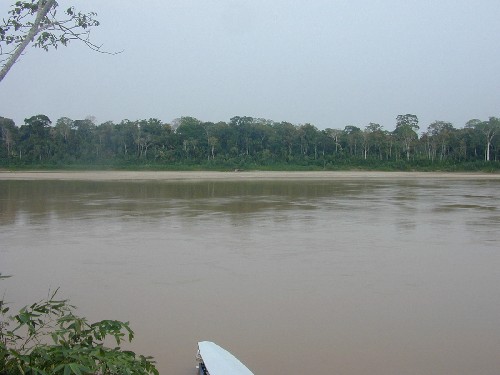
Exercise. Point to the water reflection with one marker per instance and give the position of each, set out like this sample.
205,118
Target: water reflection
65,198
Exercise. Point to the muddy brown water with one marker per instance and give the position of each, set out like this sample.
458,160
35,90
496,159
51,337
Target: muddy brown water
346,277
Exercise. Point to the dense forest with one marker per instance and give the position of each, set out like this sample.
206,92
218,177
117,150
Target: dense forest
247,143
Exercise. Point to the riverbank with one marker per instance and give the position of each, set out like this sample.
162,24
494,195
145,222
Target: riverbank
235,176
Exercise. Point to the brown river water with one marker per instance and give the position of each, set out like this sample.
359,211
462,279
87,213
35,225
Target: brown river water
351,277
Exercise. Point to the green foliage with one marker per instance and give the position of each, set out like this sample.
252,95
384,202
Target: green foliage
48,338
24,15
39,24
245,143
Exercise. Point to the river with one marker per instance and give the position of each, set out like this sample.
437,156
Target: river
351,277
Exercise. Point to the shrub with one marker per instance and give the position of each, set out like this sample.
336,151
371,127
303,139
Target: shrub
48,338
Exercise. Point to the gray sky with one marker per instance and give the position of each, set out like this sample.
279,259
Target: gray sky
329,63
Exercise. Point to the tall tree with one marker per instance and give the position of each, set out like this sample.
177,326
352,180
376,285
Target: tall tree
335,134
440,133
105,138
473,137
8,132
489,129
150,132
408,120
354,138
309,137
285,138
64,136
38,23
243,126
192,136
35,137
88,147
406,131
126,132
374,138
221,138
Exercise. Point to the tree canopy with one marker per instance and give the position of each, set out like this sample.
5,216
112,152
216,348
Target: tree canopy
244,142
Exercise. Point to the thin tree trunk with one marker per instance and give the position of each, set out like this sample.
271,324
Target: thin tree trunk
34,30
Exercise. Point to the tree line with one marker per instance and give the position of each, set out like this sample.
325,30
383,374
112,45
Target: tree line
246,142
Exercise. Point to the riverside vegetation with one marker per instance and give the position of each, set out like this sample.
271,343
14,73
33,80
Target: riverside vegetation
247,143
48,338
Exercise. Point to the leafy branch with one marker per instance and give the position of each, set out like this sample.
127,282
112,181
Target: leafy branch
39,23
48,338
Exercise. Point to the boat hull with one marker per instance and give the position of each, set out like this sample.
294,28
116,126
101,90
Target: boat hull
214,360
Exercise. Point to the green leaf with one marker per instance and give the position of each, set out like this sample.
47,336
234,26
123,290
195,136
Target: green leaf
75,368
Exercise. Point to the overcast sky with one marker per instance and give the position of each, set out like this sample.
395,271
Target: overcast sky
326,62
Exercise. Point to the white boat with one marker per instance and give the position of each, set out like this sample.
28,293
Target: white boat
214,360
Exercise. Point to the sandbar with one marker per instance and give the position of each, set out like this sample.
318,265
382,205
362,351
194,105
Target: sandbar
236,175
